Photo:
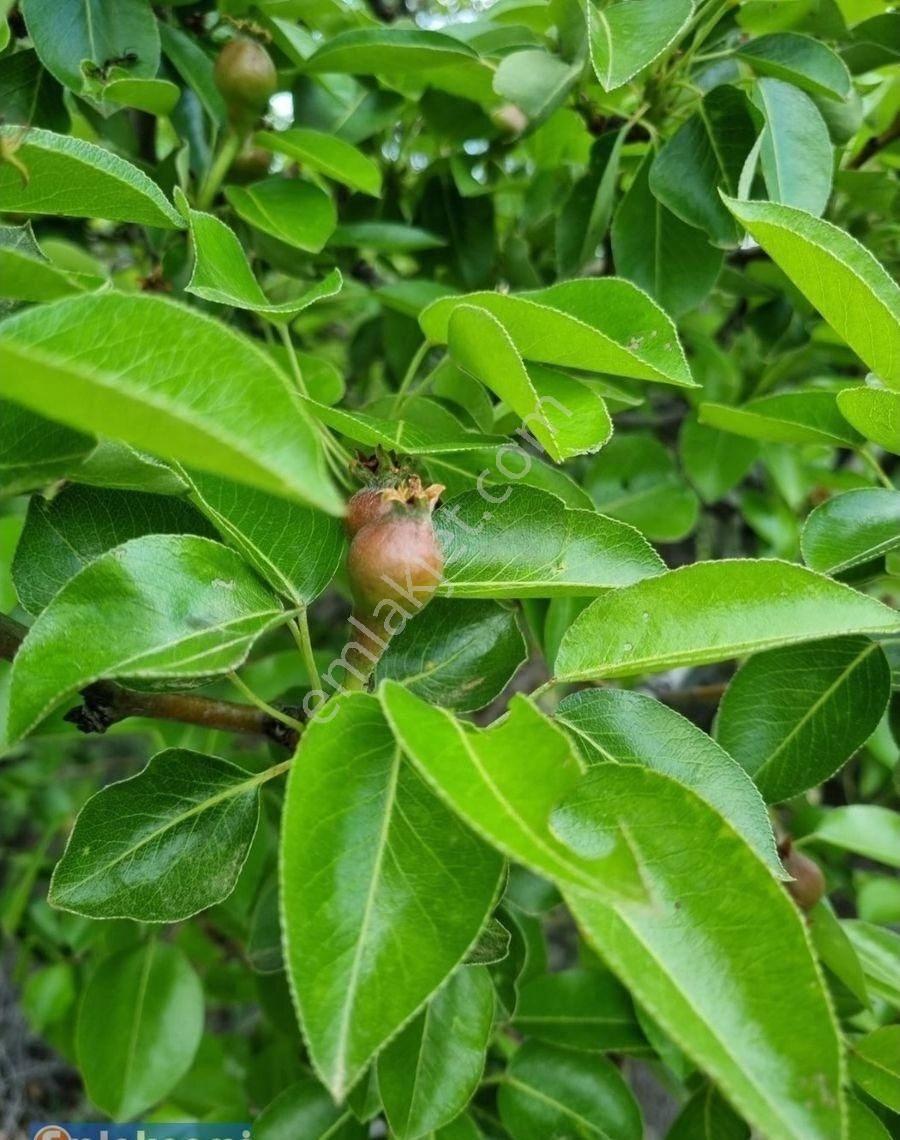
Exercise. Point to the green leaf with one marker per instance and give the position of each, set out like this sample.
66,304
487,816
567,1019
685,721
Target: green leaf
565,415
456,654
629,36
76,179
599,325
161,845
579,1009
851,529
430,1071
635,480
714,461
835,950
463,1128
522,542
505,794
27,274
139,1025
117,466
822,702
630,728
296,549
707,153
711,611
305,1109
862,1123
67,33
465,471
165,378
864,829
700,956
195,67
879,953
387,51
875,413
35,451
326,154
841,278
706,1116
297,213
492,946
585,217
874,43
806,62
536,81
63,534
222,273
161,606
399,435
786,417
555,1092
155,96
385,237
383,890
659,252
796,155
29,94
875,1065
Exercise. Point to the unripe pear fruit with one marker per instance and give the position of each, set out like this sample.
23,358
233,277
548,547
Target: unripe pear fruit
396,556
509,119
808,885
246,77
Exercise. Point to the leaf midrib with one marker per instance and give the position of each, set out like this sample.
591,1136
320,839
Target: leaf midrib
346,1012
814,708
175,821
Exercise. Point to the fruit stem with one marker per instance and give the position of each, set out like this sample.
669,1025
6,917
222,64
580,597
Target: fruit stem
264,706
227,153
880,473
364,651
285,334
300,629
411,372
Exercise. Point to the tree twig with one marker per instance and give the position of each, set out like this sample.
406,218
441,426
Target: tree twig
105,703
875,144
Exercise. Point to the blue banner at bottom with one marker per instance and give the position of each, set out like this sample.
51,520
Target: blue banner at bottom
138,1131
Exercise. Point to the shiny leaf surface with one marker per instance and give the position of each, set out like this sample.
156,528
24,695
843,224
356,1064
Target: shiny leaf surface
161,845
139,1025
430,1071
156,607
555,1092
851,529
383,890
456,654
604,325
630,728
845,282
711,611
61,535
504,795
296,549
523,542
161,377
792,716
700,956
